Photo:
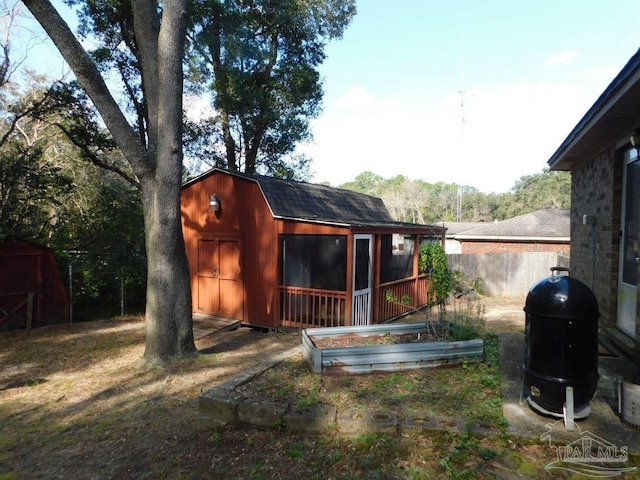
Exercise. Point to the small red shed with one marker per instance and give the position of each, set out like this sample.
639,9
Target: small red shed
273,252
31,292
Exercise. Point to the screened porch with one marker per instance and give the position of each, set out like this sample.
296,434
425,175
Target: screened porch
340,280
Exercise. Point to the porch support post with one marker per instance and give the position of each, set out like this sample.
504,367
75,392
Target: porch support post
376,294
416,266
348,314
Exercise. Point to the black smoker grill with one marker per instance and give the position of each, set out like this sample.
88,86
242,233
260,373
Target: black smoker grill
561,346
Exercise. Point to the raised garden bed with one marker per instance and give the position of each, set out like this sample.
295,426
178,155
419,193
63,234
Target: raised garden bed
379,352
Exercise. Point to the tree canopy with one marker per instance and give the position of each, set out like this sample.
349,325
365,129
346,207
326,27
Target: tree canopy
51,194
258,61
417,201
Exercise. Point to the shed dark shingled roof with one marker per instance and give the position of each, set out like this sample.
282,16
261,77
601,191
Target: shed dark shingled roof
291,199
294,200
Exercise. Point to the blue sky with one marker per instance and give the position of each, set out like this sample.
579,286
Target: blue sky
525,72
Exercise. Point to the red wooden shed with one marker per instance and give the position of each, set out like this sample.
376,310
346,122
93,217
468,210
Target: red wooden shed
273,252
31,292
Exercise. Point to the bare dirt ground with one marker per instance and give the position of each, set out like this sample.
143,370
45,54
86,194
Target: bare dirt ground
75,402
504,314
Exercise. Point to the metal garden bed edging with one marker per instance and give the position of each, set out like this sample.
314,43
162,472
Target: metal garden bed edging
384,358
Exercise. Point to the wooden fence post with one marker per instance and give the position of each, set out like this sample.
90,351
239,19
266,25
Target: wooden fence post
29,310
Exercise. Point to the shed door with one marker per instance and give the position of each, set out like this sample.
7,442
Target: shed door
219,285
21,275
362,280
629,254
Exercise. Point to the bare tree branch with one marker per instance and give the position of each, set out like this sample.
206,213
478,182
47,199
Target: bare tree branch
92,82
95,158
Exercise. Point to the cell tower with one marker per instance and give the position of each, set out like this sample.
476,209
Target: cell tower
463,120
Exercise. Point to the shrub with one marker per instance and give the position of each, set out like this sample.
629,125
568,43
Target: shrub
433,261
462,284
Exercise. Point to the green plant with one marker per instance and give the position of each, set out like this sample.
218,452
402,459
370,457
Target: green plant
296,450
406,299
366,442
215,436
258,464
467,323
461,283
456,462
309,398
433,261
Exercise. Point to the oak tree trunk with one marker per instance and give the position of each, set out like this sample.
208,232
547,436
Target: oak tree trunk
157,164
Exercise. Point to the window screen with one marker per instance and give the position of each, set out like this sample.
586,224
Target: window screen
396,260
314,261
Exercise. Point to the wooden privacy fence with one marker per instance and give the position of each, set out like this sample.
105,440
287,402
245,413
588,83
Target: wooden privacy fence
506,274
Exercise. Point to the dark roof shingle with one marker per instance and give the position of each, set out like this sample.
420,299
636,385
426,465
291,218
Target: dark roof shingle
546,223
290,199
293,200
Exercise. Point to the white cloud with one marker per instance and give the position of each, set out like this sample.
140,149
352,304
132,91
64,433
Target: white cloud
509,132
562,57
356,97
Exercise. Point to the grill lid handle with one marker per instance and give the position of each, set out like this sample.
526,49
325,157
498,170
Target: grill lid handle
560,269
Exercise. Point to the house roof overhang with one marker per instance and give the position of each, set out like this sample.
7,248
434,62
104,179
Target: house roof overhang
373,227
511,238
614,116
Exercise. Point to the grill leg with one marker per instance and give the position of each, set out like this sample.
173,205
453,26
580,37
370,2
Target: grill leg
569,416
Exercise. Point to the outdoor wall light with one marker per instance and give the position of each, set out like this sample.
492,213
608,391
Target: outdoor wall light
635,139
214,203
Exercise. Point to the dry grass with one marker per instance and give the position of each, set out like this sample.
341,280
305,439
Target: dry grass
474,389
76,391
75,402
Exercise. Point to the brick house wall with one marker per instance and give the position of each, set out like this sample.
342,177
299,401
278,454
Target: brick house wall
596,187
470,247
594,153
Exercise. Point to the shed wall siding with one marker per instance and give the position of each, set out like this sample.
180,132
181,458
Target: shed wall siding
260,249
596,190
244,213
26,267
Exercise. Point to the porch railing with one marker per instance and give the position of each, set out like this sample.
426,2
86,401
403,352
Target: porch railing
311,307
361,308
418,290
